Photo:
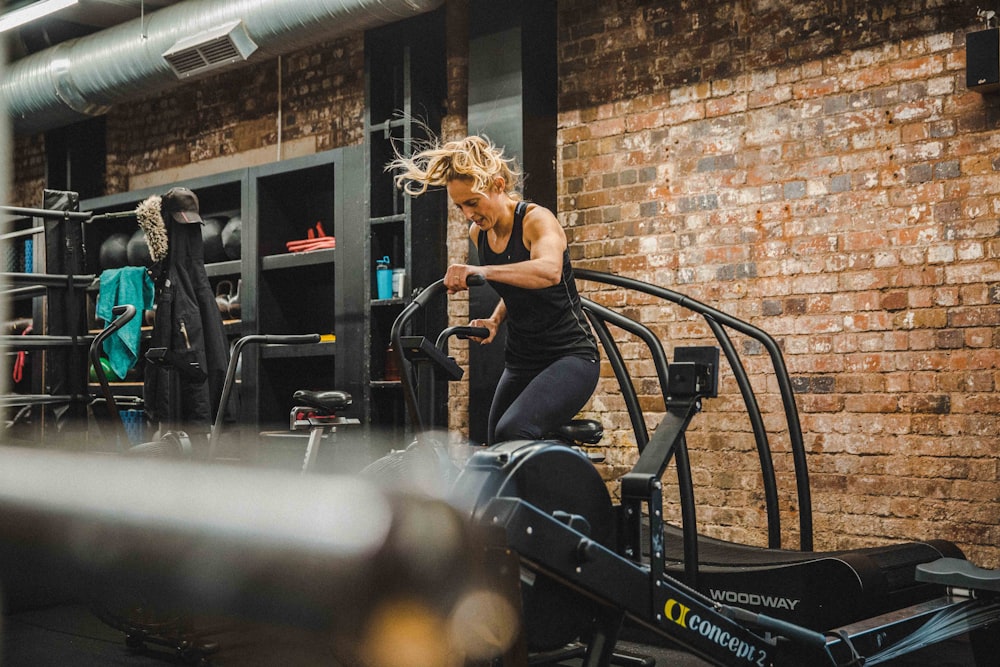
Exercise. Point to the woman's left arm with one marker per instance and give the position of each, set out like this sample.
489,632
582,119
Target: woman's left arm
546,240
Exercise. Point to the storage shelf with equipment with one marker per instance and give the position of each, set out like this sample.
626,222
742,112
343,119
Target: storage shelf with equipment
405,85
119,241
299,270
307,240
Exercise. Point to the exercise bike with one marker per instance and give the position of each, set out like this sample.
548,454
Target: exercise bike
550,636
425,463
728,603
142,620
424,363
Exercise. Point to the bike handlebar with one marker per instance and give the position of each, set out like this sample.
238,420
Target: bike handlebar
470,332
122,314
293,339
234,356
419,301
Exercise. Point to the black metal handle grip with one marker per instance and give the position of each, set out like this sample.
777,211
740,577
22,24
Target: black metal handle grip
116,311
293,339
470,332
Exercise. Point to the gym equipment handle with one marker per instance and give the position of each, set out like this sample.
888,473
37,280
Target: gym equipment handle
294,339
462,332
419,301
227,385
469,332
123,314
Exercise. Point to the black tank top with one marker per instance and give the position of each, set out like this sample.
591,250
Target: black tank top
542,324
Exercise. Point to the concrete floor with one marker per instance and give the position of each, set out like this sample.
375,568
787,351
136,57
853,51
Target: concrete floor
71,635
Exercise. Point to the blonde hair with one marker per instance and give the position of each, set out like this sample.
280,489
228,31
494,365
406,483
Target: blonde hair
473,158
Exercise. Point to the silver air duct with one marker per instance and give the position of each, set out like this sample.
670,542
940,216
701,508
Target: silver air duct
86,76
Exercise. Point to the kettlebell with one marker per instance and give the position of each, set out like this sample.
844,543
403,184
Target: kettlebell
228,300
211,237
231,237
235,311
114,251
222,297
138,250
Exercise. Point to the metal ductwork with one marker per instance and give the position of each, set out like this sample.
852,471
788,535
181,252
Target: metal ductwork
84,77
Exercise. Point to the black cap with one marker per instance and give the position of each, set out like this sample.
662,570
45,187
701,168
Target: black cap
181,205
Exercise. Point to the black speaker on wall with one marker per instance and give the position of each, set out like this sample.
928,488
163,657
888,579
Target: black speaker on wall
982,60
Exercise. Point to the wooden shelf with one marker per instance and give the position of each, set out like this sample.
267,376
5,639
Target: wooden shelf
118,388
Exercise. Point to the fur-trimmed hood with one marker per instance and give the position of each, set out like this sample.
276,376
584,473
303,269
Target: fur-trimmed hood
151,222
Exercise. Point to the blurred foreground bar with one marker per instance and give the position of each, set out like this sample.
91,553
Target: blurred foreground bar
322,552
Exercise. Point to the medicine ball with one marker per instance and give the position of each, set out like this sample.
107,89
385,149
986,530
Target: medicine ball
211,236
114,251
231,234
106,369
138,250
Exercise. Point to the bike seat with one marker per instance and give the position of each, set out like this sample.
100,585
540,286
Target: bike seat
330,400
586,431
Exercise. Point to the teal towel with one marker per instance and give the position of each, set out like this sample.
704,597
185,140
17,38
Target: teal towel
128,285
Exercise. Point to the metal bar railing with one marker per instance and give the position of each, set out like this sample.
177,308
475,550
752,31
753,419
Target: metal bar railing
781,375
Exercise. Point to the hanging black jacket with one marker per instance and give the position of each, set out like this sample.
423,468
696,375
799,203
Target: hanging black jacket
182,390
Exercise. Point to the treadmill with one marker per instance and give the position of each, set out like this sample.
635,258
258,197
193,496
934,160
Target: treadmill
815,589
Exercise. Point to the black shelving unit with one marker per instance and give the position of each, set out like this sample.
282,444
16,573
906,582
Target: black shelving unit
406,85
281,292
319,291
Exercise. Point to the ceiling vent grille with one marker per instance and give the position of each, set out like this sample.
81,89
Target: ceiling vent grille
209,50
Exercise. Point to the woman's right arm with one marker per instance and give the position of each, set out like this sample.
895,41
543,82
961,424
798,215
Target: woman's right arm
493,322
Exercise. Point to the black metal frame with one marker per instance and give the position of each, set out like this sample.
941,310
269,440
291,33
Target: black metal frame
398,326
717,321
68,392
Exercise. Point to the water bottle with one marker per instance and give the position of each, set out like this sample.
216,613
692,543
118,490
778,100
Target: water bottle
383,278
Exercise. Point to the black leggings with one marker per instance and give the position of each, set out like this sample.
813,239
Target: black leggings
530,404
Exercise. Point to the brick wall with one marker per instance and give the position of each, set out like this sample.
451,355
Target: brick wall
27,171
820,170
230,115
320,96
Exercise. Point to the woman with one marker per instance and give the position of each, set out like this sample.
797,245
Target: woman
550,360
